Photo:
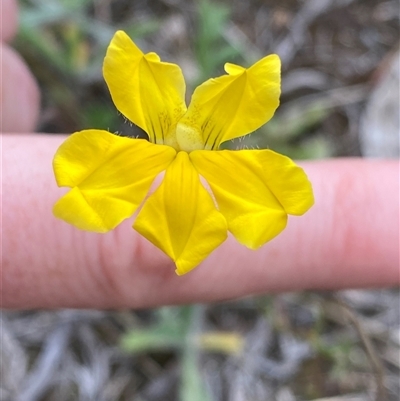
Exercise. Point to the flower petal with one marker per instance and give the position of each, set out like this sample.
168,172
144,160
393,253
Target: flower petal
109,176
234,105
287,181
180,218
254,189
148,92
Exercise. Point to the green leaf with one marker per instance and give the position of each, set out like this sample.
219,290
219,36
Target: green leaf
211,49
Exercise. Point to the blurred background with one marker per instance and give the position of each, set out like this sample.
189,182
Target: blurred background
340,97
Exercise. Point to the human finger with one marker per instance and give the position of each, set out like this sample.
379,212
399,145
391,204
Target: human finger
350,238
8,19
19,93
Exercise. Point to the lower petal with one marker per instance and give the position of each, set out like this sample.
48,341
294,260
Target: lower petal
255,190
109,176
287,181
180,218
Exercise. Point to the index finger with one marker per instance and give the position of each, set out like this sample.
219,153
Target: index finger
350,238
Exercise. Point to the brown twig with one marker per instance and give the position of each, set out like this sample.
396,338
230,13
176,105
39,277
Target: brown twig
370,350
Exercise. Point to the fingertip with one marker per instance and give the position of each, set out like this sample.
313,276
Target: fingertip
20,96
8,19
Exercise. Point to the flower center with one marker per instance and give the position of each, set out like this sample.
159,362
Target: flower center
189,138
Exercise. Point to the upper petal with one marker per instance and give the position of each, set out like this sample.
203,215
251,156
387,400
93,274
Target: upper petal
254,189
234,105
150,93
180,217
109,176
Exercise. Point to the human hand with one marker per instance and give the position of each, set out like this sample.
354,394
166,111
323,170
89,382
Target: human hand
350,237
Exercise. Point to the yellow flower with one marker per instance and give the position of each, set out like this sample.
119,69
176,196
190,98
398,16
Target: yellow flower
110,176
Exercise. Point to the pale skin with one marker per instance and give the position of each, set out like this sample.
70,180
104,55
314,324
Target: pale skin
349,239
